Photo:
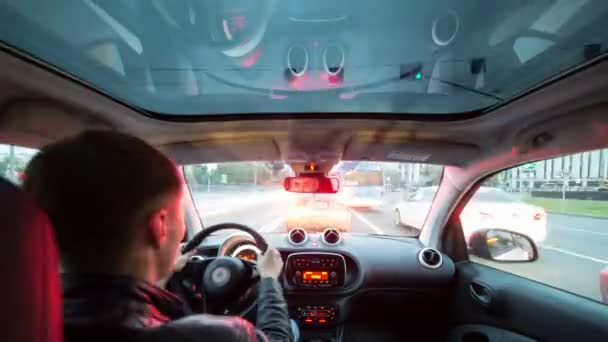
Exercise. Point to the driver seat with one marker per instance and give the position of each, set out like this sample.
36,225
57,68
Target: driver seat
30,291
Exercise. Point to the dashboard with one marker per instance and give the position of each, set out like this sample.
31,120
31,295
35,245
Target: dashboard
329,281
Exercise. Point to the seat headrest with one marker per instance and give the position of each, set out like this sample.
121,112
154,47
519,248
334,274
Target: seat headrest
30,290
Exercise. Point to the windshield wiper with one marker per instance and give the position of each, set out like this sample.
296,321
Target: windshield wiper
414,71
470,89
407,72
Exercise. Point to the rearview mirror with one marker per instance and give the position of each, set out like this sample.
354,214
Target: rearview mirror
316,184
502,246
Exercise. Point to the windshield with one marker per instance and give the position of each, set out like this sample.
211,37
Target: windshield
271,56
251,193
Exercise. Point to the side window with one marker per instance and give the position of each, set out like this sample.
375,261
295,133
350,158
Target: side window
561,204
13,160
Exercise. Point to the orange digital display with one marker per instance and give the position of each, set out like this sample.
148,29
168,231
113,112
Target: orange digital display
315,275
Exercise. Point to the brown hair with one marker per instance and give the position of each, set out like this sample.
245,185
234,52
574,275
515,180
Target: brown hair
93,186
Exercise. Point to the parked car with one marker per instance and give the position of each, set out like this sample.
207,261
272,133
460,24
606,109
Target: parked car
488,208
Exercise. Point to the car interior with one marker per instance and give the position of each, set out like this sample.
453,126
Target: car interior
339,286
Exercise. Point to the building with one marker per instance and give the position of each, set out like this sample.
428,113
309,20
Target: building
581,171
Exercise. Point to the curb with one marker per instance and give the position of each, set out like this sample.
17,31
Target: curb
579,215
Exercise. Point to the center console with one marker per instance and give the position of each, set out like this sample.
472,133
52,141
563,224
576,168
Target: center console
318,273
315,270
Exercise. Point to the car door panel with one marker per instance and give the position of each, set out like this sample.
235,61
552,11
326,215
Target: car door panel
522,306
480,332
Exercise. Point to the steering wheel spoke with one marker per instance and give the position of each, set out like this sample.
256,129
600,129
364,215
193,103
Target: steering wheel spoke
252,265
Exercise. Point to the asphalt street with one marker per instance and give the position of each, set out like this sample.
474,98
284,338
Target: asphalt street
571,257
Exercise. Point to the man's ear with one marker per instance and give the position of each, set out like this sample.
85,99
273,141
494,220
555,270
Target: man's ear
158,227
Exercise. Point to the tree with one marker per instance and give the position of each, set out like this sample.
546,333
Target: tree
430,175
3,166
236,173
494,181
17,164
199,174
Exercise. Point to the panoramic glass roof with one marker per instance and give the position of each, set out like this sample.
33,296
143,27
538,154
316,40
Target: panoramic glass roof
294,56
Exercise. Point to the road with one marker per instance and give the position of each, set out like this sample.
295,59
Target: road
571,257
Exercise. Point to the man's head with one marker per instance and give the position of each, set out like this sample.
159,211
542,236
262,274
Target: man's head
115,203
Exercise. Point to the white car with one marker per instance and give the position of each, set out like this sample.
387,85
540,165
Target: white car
315,213
411,211
362,197
489,208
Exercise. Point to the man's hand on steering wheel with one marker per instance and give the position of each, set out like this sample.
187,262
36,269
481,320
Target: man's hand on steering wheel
179,264
222,284
270,264
181,261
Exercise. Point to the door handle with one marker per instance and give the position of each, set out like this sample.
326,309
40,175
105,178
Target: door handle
481,293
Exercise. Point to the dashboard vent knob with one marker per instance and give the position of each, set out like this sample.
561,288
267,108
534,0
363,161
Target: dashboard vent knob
430,258
298,236
331,237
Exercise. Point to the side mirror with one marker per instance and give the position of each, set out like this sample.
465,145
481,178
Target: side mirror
315,184
502,245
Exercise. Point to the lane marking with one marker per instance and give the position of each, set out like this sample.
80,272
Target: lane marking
366,221
273,225
582,230
582,256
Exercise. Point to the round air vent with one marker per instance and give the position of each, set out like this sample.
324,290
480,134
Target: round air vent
331,237
430,258
297,60
445,28
297,236
333,59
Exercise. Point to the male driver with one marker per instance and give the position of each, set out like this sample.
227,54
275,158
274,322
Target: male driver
116,204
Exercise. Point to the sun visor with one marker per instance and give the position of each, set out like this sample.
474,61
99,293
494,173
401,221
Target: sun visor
443,153
222,151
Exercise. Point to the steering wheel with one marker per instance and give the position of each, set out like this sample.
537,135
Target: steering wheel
218,285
